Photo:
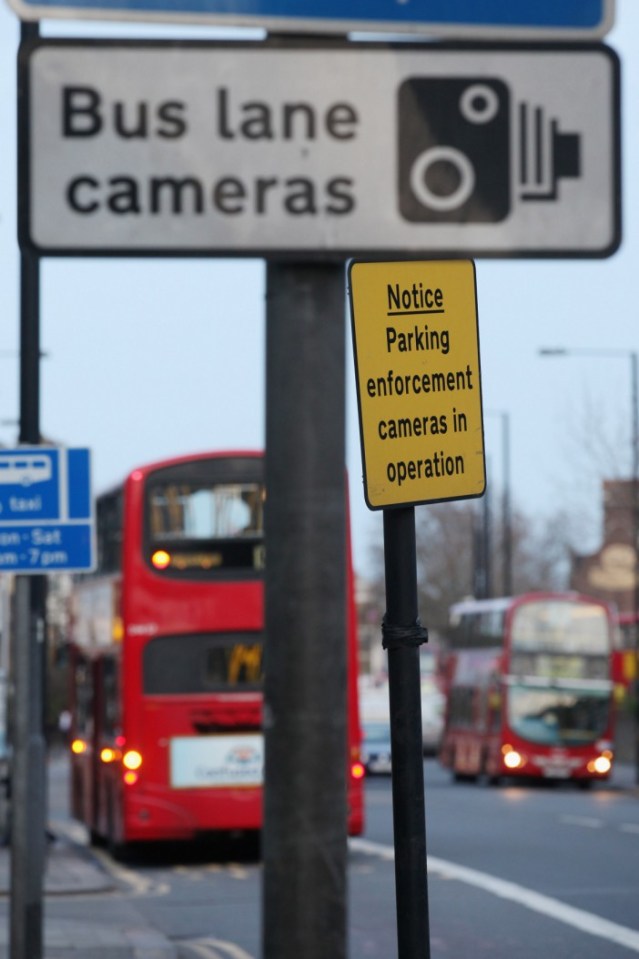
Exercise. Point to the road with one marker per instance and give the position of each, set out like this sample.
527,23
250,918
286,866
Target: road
495,853
514,872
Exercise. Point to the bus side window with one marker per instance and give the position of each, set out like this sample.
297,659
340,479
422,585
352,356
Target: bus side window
110,716
461,706
109,529
83,725
494,709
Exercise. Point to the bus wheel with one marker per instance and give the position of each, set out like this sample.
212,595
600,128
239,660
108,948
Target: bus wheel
96,838
117,850
492,779
461,777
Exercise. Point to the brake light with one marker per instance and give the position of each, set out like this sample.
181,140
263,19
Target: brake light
132,759
358,771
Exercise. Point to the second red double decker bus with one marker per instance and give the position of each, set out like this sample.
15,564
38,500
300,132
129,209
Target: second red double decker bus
529,688
167,656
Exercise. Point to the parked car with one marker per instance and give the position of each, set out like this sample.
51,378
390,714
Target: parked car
376,745
433,703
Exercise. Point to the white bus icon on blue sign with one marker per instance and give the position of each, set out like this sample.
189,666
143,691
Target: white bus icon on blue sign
24,470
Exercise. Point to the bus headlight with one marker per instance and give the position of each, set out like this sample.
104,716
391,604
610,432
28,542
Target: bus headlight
512,759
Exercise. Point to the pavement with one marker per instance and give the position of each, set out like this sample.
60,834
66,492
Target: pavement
71,870
81,889
74,869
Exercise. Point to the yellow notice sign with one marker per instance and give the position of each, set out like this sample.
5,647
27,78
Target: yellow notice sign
416,344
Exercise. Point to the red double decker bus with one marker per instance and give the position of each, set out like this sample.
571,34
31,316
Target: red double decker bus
529,688
166,657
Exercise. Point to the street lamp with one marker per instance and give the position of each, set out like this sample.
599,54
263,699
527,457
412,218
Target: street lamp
634,446
507,557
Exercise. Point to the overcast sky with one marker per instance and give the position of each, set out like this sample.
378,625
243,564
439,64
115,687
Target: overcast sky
149,358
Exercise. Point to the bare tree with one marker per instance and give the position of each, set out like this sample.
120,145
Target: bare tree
447,555
445,568
541,551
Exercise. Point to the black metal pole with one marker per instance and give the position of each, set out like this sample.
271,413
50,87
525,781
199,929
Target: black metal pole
29,349
635,523
28,785
402,638
304,835
28,775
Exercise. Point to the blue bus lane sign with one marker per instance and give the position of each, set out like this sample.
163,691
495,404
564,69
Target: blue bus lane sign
416,349
46,511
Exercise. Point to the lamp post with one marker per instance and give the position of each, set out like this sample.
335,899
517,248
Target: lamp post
634,446
507,555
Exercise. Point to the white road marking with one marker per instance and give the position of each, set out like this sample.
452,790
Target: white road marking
78,834
216,949
584,921
588,821
138,885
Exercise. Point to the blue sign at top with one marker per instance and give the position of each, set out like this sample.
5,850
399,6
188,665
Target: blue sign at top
524,19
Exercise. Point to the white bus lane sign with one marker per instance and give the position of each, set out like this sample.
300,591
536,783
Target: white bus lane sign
416,348
322,149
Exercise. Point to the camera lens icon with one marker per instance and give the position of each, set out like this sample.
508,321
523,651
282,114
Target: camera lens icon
479,103
425,168
454,149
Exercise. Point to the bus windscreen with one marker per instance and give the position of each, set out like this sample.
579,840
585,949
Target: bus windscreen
197,527
560,627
